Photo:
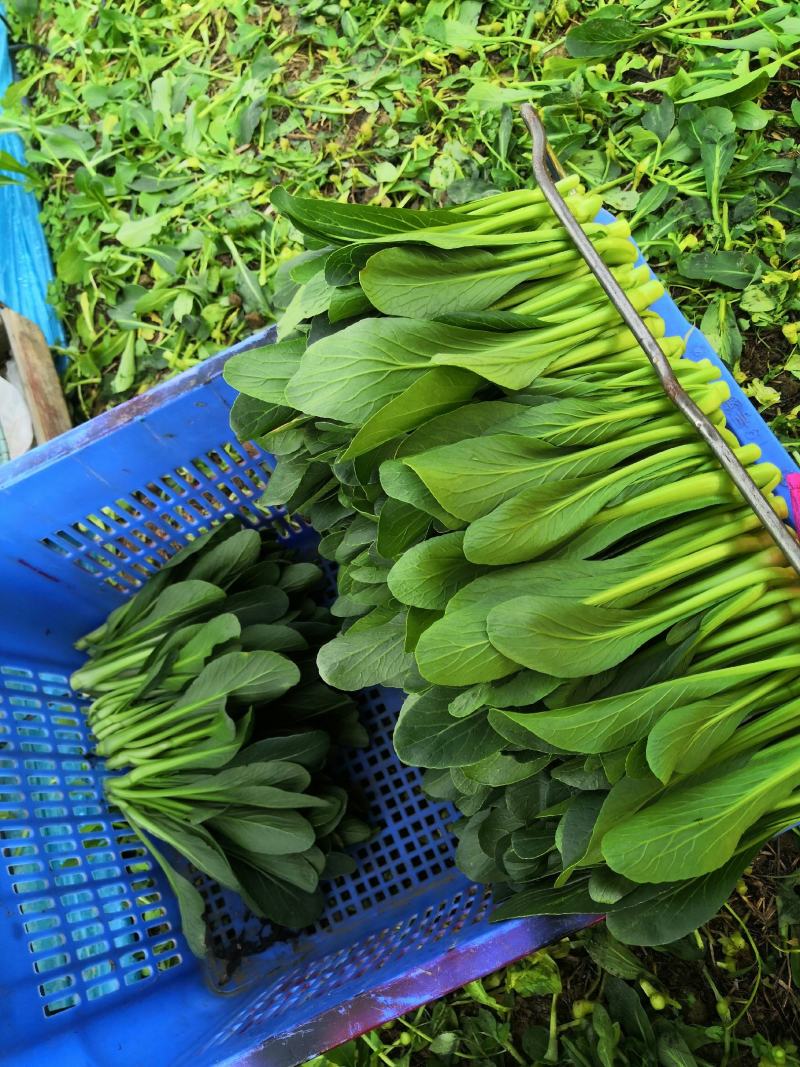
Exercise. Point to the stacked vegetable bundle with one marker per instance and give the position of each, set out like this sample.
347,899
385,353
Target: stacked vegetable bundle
205,687
599,643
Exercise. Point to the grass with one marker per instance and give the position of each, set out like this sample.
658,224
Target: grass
726,995
155,132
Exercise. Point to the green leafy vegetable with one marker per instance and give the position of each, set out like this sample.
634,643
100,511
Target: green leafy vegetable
593,633
222,764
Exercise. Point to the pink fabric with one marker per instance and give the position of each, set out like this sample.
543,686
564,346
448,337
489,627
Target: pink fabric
793,481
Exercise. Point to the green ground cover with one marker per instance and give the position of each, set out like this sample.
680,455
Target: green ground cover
155,133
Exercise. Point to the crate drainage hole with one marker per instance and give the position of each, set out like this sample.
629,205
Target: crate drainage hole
128,543
86,901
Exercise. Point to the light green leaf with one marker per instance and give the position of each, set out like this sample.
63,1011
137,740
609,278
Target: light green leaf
721,330
535,520
311,299
501,770
535,976
568,639
417,622
195,843
347,302
660,914
68,142
251,289
470,478
428,574
428,283
136,233
351,374
279,774
613,722
746,86
263,373
750,116
717,157
435,392
696,827
684,736
400,483
467,421
624,798
456,650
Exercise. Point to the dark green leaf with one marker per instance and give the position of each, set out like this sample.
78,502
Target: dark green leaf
603,37
400,526
735,270
612,956
426,735
272,833
543,898
372,657
353,222
625,1007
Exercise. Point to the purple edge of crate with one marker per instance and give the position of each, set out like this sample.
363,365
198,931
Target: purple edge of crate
497,947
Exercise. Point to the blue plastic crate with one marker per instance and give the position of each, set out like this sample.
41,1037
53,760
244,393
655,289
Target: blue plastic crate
94,968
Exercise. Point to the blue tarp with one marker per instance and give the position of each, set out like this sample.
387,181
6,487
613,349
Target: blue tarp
25,266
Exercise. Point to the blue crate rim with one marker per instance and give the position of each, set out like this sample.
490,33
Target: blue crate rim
137,407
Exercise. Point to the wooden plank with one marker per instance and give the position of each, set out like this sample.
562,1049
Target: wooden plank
40,381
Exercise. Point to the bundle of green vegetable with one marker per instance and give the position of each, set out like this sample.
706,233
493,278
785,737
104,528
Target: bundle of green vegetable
599,644
205,687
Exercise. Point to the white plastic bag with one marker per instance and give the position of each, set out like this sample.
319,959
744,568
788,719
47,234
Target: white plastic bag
15,419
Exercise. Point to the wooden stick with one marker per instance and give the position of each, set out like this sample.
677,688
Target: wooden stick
40,381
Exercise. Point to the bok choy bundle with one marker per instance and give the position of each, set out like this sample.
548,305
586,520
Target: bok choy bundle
599,644
206,695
